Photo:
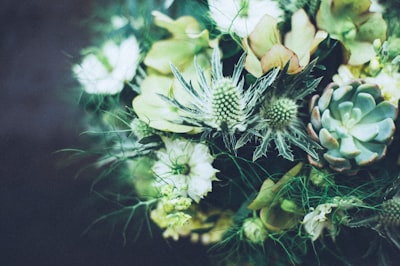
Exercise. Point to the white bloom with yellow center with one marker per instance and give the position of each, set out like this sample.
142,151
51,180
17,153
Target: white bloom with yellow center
186,166
241,16
106,71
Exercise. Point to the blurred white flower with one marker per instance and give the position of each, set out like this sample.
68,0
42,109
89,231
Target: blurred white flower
118,22
186,166
241,16
316,220
106,71
389,83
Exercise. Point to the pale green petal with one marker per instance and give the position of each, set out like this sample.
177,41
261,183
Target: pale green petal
178,52
301,36
264,36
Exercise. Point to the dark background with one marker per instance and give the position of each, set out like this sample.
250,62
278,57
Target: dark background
41,201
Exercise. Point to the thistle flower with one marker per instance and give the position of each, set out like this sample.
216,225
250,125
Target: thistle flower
223,106
385,220
186,166
278,120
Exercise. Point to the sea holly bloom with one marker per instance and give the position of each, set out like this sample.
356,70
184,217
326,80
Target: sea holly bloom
385,219
106,71
186,166
278,120
223,105
241,16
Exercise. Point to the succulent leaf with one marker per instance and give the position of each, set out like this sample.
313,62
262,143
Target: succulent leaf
365,102
365,132
327,140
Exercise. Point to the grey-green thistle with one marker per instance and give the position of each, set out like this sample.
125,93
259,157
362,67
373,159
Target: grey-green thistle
221,107
278,119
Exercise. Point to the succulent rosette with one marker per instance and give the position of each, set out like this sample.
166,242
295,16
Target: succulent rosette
353,124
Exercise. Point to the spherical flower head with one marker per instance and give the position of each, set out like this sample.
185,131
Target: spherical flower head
254,230
390,212
280,113
106,71
278,120
226,105
241,16
187,166
222,106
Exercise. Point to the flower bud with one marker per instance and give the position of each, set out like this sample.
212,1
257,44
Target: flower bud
254,230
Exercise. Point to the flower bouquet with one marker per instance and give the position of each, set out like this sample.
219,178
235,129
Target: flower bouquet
264,130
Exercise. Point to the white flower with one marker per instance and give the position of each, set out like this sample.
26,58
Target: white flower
343,76
106,72
389,83
315,221
241,16
186,166
388,80
118,22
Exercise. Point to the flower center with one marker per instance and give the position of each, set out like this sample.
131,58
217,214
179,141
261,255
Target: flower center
180,169
226,107
280,113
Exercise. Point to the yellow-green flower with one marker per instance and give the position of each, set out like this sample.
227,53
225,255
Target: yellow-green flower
186,43
351,23
266,49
